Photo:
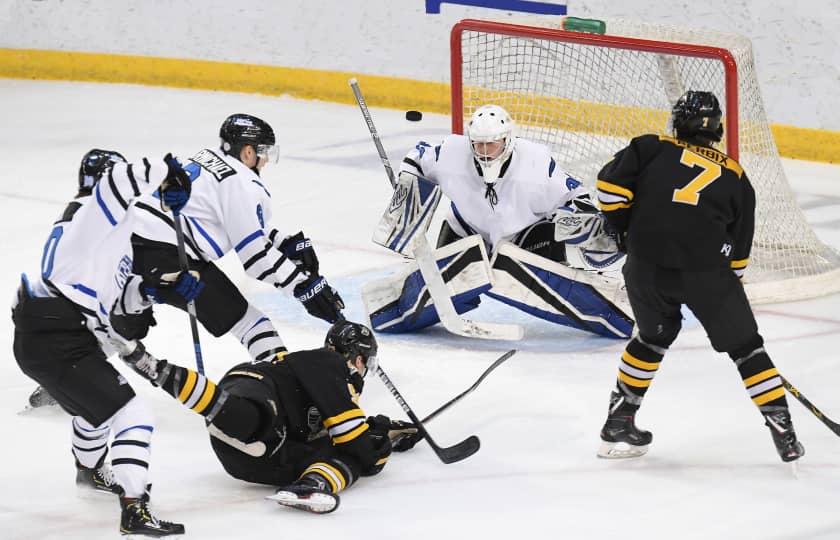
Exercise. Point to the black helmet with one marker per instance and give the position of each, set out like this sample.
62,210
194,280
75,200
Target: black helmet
696,115
240,129
350,339
94,164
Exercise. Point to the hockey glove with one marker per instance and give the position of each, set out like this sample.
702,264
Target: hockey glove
176,187
378,431
147,366
403,435
298,249
133,326
156,285
319,299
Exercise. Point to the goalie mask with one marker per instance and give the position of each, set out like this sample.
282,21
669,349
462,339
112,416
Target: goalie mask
94,164
491,138
696,117
350,340
240,130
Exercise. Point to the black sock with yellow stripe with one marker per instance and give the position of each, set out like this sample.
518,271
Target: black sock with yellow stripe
760,377
639,363
193,389
332,475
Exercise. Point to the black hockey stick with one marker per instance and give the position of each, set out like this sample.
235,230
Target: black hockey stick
458,398
185,267
833,426
450,454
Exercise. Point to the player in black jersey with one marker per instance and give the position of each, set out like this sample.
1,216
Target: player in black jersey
293,421
686,213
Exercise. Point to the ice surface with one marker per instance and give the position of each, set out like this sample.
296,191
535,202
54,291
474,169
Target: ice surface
711,473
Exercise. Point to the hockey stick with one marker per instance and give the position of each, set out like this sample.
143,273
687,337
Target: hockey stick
437,288
833,426
458,398
185,267
449,454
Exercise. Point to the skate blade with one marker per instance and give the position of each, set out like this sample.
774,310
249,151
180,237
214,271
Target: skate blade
317,503
620,450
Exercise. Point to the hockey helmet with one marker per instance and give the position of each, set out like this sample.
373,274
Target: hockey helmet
491,138
351,339
94,164
696,115
239,130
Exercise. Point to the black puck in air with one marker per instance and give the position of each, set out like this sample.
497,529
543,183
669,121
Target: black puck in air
413,116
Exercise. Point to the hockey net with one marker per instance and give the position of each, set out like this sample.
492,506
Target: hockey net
586,94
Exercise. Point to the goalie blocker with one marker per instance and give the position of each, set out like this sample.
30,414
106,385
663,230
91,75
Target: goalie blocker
546,289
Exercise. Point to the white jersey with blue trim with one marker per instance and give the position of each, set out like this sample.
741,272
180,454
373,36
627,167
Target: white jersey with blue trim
87,257
228,209
530,188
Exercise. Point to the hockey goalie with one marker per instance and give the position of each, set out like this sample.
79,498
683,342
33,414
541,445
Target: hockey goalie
518,229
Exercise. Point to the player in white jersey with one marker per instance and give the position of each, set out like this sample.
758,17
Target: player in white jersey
229,210
63,335
534,220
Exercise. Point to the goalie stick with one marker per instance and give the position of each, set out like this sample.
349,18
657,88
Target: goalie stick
448,454
833,426
437,288
458,398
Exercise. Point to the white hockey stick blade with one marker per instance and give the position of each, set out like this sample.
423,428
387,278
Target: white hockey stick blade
446,310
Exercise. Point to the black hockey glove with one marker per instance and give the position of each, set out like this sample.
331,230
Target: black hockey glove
378,430
133,326
319,299
147,366
157,285
403,435
176,187
298,249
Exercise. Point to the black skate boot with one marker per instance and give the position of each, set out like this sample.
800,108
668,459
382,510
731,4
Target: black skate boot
41,398
99,479
781,428
307,494
620,438
137,518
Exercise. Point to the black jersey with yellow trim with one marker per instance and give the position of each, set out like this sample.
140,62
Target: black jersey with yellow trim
682,206
315,390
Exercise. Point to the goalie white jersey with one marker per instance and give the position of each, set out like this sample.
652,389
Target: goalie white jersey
87,257
530,187
228,209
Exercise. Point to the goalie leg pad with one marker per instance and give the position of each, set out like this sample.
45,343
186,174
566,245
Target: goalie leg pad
563,295
402,304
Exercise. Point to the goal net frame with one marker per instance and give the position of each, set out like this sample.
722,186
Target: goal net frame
817,276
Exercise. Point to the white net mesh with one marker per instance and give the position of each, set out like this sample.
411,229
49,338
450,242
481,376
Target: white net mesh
585,101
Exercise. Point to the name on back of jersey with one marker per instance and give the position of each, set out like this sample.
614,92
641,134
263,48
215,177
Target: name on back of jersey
213,164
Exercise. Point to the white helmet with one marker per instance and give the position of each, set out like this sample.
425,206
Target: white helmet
491,124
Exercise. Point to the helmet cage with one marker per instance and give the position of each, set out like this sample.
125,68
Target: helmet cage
491,124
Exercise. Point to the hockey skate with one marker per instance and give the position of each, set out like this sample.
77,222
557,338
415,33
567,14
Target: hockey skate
781,428
620,438
96,480
137,518
306,497
40,398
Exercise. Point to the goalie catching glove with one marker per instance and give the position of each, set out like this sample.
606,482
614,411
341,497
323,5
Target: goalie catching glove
319,298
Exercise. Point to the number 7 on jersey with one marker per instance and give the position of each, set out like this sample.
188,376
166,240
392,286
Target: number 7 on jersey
690,194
